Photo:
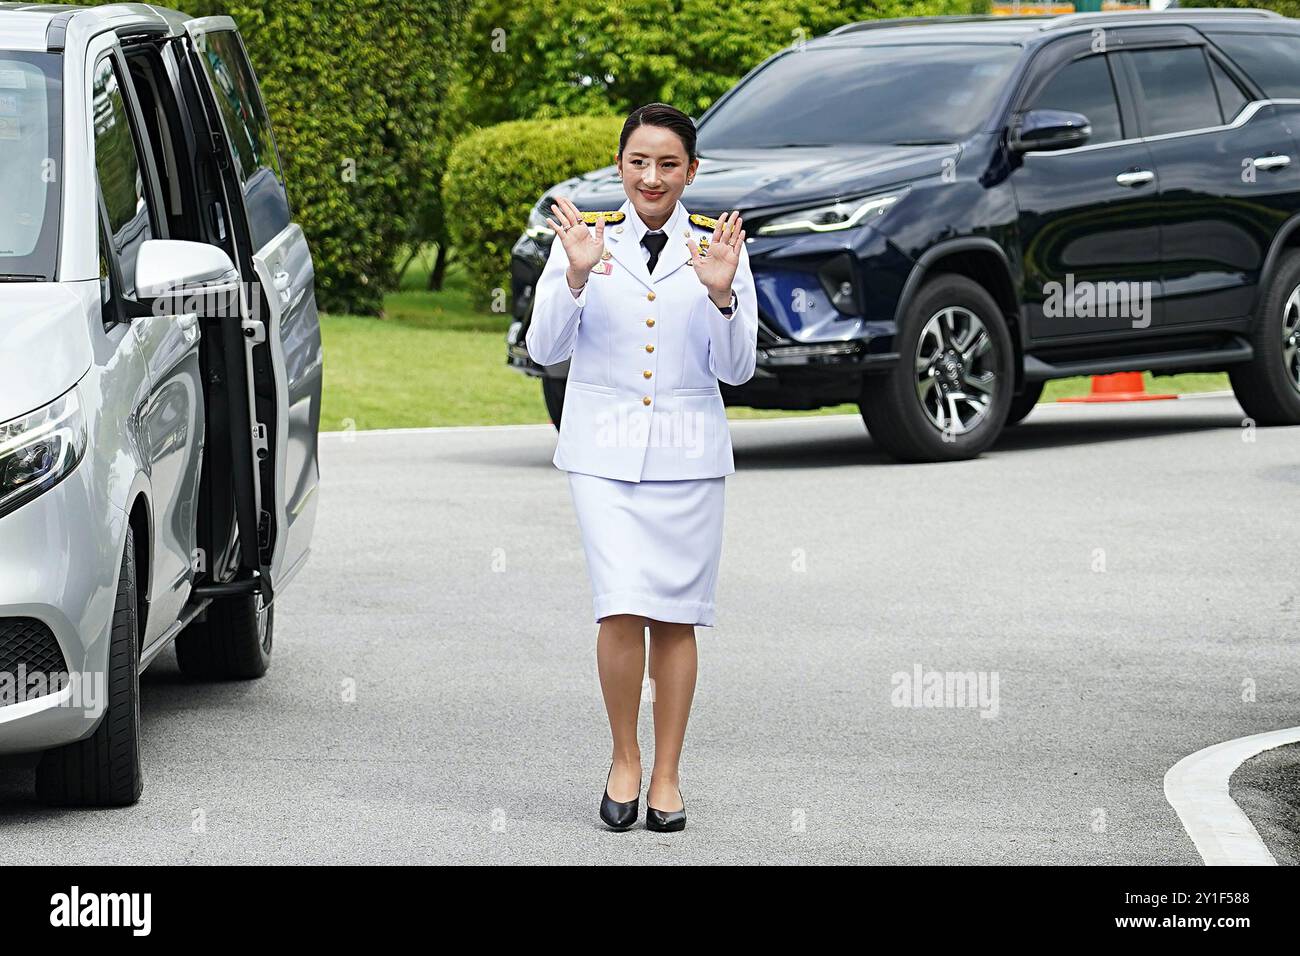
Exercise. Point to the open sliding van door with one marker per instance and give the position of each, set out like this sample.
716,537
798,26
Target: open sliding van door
279,320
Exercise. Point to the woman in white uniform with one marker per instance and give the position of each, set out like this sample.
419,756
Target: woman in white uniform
653,306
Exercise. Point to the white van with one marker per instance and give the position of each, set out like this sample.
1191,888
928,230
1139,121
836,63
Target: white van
160,378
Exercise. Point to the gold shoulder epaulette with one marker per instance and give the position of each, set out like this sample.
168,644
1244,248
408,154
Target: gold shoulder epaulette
590,218
704,222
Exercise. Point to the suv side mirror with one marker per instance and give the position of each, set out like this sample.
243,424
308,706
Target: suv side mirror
185,276
1049,130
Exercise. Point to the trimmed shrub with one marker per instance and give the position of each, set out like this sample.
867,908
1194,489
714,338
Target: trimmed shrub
495,175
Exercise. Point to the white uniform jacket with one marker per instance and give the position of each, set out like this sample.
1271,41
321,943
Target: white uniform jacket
647,353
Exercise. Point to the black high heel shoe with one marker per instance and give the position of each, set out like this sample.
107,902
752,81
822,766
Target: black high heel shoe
619,816
665,821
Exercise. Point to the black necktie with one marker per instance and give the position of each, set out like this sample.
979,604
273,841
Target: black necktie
655,242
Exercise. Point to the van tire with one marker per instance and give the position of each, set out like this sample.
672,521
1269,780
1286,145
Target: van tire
553,395
890,405
1263,386
104,769
230,643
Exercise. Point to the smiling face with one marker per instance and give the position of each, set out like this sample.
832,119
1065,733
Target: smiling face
654,171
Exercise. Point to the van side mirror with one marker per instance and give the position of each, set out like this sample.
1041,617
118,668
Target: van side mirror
1049,130
175,275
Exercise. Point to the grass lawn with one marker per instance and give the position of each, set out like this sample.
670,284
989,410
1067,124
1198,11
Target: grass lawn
433,360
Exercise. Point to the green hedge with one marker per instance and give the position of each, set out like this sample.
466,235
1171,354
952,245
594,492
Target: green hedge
495,175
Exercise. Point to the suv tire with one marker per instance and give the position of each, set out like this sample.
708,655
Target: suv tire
1023,404
952,334
104,769
1268,387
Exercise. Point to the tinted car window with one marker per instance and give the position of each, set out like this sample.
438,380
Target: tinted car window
1269,60
1176,90
121,171
31,148
1231,97
1085,86
249,130
916,93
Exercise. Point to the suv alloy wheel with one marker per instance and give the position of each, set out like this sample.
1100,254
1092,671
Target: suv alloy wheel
948,396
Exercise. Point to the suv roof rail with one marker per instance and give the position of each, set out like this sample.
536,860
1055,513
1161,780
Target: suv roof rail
1173,13
862,25
1056,21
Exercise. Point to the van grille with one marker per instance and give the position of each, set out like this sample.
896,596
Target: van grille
28,646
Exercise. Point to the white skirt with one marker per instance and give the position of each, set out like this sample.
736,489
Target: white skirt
653,547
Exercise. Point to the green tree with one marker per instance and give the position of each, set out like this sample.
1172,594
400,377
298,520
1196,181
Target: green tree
1288,8
539,59
355,91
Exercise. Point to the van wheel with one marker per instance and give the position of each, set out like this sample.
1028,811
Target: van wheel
553,393
948,396
1023,404
232,643
104,769
1268,387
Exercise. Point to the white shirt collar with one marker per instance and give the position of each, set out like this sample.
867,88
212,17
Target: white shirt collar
639,228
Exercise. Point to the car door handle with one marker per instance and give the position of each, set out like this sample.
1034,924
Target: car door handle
1135,177
282,282
1271,162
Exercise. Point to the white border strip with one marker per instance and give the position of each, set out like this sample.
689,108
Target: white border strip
1197,788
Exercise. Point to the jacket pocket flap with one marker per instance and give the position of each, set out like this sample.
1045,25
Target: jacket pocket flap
592,387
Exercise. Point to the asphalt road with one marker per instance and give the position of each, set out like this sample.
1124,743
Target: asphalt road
1120,570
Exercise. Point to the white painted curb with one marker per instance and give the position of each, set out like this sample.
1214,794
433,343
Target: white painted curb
1197,788
844,417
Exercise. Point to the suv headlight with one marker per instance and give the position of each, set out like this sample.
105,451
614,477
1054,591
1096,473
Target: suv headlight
537,229
39,450
844,214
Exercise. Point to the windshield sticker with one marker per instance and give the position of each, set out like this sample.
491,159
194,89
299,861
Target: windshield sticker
13,80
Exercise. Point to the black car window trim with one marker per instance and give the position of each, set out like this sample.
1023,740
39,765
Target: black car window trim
224,24
1043,66
1143,114
123,308
1243,79
1127,118
1244,116
144,153
1239,72
1213,60
224,164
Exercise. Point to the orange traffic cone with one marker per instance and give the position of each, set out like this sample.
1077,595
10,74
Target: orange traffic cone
1118,387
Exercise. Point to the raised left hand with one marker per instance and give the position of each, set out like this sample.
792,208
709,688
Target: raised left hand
717,269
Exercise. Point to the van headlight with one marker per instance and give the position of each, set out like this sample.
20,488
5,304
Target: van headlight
844,214
40,449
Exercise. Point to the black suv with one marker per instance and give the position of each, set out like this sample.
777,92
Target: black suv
946,212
